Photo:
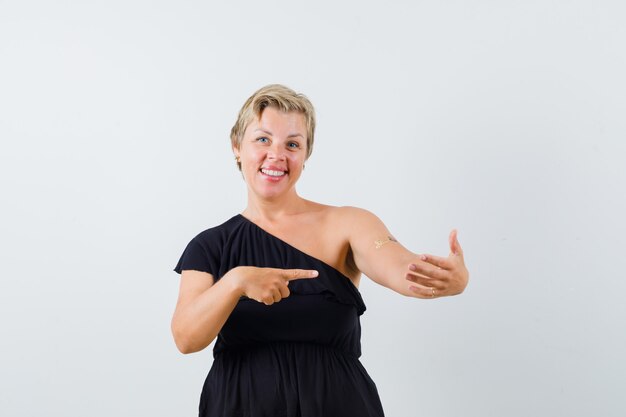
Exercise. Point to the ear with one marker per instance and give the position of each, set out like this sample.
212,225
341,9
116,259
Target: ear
236,152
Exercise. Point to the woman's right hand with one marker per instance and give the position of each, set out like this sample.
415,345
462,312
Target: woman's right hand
267,285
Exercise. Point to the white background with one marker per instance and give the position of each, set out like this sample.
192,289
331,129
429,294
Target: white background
504,119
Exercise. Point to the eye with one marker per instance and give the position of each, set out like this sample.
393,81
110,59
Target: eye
263,139
293,145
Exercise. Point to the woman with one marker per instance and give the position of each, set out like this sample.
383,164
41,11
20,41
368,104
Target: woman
277,284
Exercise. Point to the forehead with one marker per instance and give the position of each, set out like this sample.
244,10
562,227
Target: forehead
279,122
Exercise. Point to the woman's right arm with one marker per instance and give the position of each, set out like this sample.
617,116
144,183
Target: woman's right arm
202,309
204,306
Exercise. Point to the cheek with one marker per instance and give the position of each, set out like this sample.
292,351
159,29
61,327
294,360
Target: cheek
296,159
254,155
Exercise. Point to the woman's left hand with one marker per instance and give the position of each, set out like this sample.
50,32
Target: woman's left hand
434,276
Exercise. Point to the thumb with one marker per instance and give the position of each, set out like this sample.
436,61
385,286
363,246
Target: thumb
291,274
455,246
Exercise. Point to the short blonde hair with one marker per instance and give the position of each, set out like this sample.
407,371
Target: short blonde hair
282,98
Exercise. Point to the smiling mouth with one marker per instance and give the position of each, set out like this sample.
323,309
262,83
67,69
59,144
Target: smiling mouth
273,173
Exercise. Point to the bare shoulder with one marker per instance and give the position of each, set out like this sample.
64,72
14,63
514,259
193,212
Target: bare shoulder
335,216
348,223
341,222
355,216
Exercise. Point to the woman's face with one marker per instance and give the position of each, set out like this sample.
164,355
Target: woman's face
273,152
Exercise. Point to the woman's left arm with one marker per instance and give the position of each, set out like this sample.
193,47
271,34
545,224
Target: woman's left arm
381,257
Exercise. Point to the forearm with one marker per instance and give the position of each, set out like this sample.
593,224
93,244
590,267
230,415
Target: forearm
197,324
391,272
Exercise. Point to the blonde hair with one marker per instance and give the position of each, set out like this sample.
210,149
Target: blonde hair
282,98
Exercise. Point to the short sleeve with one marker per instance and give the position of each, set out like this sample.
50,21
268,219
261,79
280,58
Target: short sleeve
199,256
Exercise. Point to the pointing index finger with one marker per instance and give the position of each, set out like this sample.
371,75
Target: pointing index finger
293,274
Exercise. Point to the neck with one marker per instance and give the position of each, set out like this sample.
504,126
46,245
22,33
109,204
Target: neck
264,210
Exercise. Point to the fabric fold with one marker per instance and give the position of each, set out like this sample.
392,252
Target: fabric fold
251,243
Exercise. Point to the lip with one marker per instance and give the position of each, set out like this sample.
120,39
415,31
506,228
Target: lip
270,178
274,168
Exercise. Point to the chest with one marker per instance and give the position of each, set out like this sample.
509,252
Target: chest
320,239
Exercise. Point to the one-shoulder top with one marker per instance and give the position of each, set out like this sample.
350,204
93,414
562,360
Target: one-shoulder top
298,357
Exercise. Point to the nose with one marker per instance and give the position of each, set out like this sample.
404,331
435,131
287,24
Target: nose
276,153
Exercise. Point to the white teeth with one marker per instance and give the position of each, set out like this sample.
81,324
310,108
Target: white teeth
273,173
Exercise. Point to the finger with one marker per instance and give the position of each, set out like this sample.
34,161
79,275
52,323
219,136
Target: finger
276,295
438,261
291,274
284,291
455,246
426,282
424,292
428,270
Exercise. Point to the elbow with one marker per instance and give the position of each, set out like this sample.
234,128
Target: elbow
183,347
180,339
186,350
185,342
182,344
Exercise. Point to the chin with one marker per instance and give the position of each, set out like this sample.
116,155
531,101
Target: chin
271,193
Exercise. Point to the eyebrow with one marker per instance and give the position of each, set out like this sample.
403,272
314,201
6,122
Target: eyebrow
292,135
